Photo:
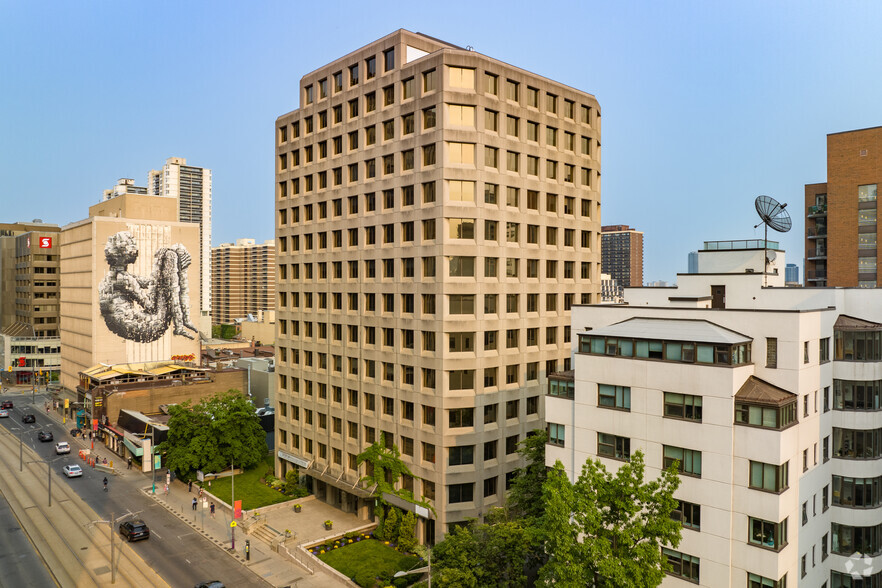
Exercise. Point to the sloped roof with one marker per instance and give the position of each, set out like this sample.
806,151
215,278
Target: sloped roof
156,368
699,331
850,323
757,391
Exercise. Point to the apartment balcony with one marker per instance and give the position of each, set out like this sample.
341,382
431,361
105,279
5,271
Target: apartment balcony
817,211
816,253
816,275
815,232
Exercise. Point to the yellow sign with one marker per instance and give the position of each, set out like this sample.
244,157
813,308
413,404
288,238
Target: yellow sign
232,523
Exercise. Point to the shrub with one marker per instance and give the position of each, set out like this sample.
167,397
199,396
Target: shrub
379,532
407,532
392,522
365,579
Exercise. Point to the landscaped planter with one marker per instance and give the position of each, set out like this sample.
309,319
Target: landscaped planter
328,525
297,508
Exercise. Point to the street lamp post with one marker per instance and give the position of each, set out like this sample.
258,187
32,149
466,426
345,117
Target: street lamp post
152,460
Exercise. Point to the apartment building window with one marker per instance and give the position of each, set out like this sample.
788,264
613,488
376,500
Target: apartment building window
755,581
461,77
491,157
491,376
805,352
511,374
857,444
769,477
688,460
460,493
532,403
490,339
462,266
491,120
683,406
618,397
824,350
462,303
428,192
491,83
767,533
613,446
461,342
512,90
388,60
851,395
428,304
556,434
464,455
428,378
768,417
461,417
511,444
428,267
689,515
429,80
512,161
681,565
429,154
490,486
428,415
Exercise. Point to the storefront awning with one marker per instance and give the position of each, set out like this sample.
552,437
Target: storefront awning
137,451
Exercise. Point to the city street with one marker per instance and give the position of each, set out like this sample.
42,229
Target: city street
181,556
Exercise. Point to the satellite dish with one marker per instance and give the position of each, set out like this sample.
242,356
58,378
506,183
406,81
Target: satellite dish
773,215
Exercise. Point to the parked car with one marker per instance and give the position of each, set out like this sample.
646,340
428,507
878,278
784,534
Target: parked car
134,530
29,418
76,432
6,404
211,584
72,471
44,436
62,447
4,414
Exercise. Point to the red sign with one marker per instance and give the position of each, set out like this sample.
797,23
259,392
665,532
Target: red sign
94,424
21,362
237,509
45,242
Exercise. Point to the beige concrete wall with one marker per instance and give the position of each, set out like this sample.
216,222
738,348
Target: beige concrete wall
85,338
139,206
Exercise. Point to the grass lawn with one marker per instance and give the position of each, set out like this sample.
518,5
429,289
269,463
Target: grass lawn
249,488
368,558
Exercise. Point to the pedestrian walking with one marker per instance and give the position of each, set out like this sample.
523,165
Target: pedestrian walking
201,490
212,510
129,463
194,504
190,486
166,489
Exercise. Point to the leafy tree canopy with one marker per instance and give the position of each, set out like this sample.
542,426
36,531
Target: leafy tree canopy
525,496
216,432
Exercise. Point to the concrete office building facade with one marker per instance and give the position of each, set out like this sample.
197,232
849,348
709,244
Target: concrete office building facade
768,397
243,277
437,214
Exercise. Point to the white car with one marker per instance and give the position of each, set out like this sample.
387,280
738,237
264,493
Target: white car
72,471
62,447
4,414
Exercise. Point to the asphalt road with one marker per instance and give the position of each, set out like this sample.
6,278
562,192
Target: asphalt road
21,564
181,556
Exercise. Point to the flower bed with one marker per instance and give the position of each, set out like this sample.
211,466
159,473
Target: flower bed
367,561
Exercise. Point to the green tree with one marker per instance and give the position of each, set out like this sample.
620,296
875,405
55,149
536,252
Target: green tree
390,528
483,555
386,467
216,432
525,496
621,522
407,532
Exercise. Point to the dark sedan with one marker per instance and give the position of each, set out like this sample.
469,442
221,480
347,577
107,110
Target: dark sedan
6,404
44,436
29,418
134,530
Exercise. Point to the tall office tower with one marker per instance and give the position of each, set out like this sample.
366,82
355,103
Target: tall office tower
29,303
791,273
192,187
840,228
766,397
621,253
692,263
437,215
243,278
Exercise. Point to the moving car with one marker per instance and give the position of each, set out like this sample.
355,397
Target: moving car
62,447
6,404
134,530
29,418
44,436
72,471
4,414
211,584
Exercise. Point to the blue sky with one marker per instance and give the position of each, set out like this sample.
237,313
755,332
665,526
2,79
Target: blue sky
705,104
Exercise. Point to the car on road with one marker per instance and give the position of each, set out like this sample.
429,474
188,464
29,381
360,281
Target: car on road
29,418
62,447
211,584
4,414
44,436
134,530
76,432
6,404
72,471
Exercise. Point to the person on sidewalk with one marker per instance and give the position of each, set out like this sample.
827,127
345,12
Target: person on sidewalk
212,510
194,504
190,486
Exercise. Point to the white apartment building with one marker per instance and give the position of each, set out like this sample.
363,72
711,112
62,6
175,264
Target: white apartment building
192,187
769,399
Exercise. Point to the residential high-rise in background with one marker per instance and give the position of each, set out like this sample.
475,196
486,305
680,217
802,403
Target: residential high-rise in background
621,254
437,216
243,280
192,187
791,273
840,228
692,263
29,302
763,397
